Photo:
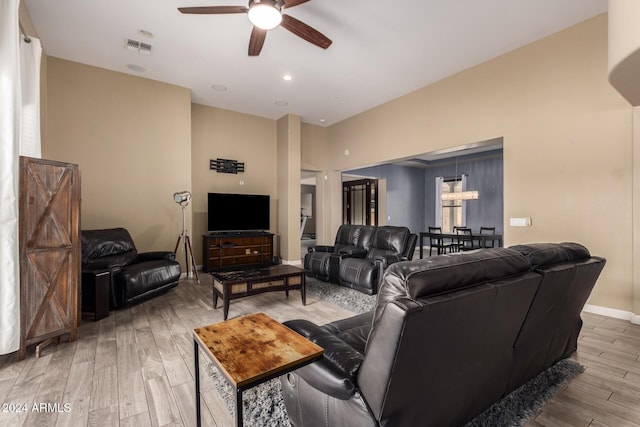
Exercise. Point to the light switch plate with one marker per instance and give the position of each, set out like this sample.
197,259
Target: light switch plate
520,222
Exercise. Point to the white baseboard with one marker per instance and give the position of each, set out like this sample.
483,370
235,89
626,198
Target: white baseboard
294,262
612,312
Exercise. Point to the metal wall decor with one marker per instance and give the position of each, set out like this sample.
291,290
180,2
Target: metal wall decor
226,166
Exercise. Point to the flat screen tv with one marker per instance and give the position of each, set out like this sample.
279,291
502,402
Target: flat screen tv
238,212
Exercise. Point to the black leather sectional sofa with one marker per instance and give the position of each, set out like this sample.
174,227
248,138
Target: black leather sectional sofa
360,255
133,276
450,336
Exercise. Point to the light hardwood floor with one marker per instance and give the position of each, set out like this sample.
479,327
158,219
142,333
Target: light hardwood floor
135,367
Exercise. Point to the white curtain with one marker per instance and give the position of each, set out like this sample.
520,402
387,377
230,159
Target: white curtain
30,54
12,86
10,111
463,209
438,216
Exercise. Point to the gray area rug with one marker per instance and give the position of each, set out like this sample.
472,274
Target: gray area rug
263,406
344,297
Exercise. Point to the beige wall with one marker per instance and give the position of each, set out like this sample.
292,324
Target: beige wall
288,166
224,134
25,20
624,48
567,143
315,157
314,147
131,138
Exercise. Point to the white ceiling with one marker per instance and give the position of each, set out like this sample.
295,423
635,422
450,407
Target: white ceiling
381,49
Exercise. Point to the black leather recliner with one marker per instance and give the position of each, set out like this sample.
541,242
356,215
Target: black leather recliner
323,261
388,245
133,276
450,335
553,305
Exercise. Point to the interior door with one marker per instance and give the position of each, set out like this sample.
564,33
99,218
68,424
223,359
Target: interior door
360,202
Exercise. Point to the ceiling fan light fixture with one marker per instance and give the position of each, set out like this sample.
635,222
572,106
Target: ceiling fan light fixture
264,14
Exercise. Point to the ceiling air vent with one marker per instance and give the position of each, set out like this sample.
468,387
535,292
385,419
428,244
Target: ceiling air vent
136,46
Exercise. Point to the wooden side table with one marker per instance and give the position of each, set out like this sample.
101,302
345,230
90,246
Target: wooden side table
250,350
95,293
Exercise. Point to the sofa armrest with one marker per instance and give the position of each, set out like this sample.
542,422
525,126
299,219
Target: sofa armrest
320,248
156,256
352,322
334,374
382,262
352,252
387,260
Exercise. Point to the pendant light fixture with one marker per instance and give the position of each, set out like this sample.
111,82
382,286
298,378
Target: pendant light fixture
462,195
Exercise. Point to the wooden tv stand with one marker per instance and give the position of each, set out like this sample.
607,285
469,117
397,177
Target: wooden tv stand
223,251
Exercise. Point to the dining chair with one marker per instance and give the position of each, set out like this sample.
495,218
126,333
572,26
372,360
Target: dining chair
489,243
465,241
456,242
437,242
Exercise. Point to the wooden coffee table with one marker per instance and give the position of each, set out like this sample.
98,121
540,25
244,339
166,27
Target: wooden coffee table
239,284
250,350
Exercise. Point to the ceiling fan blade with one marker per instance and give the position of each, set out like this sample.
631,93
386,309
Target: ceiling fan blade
291,3
308,33
214,10
256,41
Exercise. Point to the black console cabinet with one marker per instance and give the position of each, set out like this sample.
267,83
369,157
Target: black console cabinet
223,251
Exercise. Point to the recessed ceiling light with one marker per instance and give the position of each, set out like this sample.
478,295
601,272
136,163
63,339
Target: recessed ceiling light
287,77
219,88
136,68
281,103
145,33
323,121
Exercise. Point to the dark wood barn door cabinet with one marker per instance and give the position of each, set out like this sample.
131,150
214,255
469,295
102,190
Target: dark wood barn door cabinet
49,215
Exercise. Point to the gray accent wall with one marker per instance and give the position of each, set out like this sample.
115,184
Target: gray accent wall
484,174
411,190
405,193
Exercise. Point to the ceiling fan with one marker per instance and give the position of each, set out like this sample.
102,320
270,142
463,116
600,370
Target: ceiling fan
266,15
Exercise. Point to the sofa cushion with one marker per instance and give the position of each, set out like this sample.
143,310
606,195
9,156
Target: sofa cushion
542,254
353,238
365,240
110,262
437,275
388,240
145,276
347,235
105,243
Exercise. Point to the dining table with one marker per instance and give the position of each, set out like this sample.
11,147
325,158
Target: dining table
482,239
